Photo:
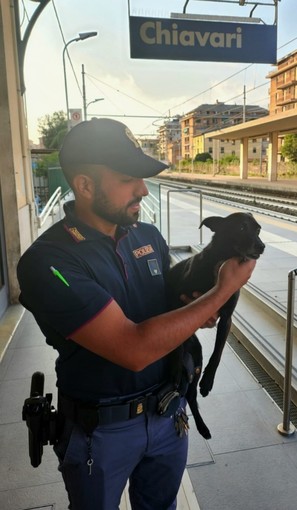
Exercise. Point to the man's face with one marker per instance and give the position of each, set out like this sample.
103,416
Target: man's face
117,197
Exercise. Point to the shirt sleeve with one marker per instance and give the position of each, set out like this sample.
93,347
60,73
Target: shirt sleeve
66,303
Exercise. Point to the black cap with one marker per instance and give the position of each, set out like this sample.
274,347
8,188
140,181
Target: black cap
107,142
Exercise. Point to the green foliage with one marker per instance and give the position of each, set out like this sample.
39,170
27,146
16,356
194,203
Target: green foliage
289,147
53,128
203,156
49,160
230,159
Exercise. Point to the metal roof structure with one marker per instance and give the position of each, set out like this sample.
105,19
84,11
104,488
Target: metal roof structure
282,123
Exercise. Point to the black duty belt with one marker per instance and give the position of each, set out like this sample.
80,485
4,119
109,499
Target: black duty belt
90,416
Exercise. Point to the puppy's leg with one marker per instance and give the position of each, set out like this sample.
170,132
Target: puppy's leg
207,380
191,397
193,347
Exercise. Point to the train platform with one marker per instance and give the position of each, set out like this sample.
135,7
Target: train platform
288,185
247,463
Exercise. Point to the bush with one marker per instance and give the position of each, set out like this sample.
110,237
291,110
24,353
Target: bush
230,159
203,156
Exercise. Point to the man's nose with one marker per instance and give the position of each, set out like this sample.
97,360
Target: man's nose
143,188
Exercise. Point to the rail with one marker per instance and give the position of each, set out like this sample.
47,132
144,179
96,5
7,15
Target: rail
286,428
149,207
49,207
191,190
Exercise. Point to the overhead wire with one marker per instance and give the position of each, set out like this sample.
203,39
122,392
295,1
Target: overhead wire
64,41
124,94
92,79
25,14
228,78
146,105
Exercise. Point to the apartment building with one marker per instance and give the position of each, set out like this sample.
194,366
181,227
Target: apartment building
257,147
149,145
283,85
182,137
169,140
210,117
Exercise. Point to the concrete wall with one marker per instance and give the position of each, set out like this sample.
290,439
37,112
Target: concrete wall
16,191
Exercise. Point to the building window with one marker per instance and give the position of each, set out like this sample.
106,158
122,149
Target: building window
254,150
222,150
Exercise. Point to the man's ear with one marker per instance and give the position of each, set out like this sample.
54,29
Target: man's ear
83,186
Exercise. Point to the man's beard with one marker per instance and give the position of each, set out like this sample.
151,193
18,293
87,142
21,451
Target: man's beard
103,208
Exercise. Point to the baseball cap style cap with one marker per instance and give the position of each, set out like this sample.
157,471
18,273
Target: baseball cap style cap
107,142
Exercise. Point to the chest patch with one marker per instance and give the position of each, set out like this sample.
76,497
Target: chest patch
144,250
154,267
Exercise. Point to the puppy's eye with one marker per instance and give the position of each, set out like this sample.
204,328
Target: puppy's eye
242,227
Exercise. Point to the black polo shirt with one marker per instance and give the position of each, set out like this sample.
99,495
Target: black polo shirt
96,269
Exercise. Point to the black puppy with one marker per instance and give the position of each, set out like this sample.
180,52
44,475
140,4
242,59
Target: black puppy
237,235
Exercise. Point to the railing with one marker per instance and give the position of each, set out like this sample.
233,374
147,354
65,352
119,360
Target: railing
49,207
150,208
286,428
191,190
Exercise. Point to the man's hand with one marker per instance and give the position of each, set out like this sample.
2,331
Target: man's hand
211,322
235,273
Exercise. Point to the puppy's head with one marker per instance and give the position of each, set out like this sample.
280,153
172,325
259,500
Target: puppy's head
238,233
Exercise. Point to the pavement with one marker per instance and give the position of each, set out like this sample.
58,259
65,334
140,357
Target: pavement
288,184
247,464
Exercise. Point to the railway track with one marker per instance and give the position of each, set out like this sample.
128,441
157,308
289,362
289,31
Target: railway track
282,205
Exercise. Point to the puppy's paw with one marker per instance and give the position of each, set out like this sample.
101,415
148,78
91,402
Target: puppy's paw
205,386
204,431
204,391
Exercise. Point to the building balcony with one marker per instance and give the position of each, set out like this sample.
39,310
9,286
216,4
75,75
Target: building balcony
288,84
289,100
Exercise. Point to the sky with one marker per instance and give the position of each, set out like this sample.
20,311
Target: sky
140,93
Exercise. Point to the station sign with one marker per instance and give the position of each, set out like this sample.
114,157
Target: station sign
75,116
175,39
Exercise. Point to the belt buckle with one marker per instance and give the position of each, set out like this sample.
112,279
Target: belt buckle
137,407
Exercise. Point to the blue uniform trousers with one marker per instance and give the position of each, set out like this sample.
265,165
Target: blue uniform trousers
146,450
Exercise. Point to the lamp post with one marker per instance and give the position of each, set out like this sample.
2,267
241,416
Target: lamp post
85,104
22,42
94,101
81,37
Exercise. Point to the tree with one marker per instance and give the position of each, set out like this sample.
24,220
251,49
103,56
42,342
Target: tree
53,128
203,156
43,164
289,147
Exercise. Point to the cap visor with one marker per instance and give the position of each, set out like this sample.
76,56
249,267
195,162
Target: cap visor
141,166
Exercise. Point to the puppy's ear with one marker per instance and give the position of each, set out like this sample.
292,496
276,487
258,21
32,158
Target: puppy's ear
213,223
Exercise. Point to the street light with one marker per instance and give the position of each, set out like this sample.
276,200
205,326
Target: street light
81,37
94,101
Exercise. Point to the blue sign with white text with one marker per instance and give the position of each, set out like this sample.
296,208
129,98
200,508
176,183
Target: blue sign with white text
174,39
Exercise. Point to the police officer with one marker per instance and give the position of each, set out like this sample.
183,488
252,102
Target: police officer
95,285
